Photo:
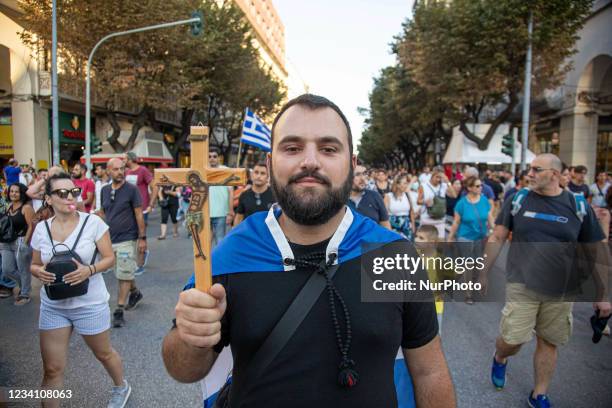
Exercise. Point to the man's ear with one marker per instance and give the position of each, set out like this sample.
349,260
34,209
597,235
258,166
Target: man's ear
354,161
268,162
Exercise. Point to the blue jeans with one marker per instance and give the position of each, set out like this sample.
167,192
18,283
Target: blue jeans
16,260
5,280
218,228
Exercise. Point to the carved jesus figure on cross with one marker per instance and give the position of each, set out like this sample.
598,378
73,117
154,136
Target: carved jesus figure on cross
199,177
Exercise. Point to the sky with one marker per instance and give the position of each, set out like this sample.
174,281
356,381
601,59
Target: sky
339,46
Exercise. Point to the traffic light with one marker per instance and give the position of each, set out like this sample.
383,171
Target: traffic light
196,27
96,145
508,145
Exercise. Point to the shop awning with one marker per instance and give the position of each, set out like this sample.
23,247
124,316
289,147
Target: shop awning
462,150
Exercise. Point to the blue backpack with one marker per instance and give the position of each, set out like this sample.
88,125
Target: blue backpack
521,195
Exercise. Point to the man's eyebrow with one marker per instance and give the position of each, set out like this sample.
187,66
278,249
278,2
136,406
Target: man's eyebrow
321,140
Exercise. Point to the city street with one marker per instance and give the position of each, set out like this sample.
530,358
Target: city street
582,378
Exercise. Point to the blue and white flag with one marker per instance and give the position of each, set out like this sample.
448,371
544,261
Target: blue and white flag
255,132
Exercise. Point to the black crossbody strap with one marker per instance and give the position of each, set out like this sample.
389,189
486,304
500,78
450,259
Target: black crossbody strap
282,332
76,241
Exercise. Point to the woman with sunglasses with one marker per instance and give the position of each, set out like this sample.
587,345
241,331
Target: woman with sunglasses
472,220
88,314
17,255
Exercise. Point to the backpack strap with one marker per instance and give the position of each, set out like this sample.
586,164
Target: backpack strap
518,200
581,206
50,237
76,241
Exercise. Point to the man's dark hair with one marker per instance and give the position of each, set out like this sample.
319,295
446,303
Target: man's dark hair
102,165
52,179
523,174
580,169
314,102
214,149
41,170
261,164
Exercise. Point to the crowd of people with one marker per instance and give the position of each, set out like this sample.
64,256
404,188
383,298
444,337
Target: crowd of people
100,222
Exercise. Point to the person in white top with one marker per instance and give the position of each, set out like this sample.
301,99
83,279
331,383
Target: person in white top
102,180
432,196
400,208
425,176
88,314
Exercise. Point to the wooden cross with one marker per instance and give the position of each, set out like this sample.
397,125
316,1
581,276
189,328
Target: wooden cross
199,177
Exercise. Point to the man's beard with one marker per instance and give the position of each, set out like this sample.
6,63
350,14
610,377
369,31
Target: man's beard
308,208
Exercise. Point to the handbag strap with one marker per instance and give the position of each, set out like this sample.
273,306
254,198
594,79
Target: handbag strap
76,241
283,331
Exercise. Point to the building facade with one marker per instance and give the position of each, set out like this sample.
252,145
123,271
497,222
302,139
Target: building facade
575,120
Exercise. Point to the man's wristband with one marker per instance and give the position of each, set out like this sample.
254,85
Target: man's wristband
144,238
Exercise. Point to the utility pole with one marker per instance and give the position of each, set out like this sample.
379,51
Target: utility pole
526,96
54,93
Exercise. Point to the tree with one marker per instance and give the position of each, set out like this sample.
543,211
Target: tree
403,122
471,53
165,69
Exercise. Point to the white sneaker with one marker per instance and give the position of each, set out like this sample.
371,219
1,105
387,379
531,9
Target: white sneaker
120,396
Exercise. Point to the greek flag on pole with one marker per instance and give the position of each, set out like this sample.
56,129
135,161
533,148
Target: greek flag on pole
255,132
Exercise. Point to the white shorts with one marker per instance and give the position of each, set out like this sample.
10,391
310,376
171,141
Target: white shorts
87,320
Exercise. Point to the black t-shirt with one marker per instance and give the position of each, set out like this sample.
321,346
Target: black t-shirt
544,233
172,199
579,188
383,191
305,372
251,202
119,211
370,205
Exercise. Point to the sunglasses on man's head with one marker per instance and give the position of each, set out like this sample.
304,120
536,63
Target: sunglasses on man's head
64,192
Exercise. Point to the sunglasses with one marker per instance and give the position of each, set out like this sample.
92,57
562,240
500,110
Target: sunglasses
64,192
113,195
477,185
257,199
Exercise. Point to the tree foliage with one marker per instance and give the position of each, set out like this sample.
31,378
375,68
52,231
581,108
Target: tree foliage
471,53
403,121
209,78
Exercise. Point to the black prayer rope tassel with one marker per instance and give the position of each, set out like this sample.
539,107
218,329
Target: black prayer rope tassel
347,375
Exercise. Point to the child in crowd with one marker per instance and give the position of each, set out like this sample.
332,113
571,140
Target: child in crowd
426,241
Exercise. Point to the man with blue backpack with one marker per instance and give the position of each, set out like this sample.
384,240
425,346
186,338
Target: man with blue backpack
545,221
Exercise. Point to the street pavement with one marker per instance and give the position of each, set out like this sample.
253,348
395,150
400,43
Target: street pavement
582,378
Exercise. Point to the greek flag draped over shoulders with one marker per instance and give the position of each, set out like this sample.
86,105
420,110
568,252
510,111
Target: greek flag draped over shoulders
255,132
258,245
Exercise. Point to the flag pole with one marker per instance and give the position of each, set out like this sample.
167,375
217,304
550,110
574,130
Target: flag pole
239,152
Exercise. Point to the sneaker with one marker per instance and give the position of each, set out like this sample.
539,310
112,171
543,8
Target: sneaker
133,300
5,292
118,320
139,271
120,395
498,374
541,401
22,300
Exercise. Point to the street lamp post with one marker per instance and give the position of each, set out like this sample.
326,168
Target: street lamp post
194,20
526,97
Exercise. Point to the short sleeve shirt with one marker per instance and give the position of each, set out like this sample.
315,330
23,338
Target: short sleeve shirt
378,331
371,205
474,217
92,233
86,186
580,189
119,211
251,202
12,174
546,223
141,178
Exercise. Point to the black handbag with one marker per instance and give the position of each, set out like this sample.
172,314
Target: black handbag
277,339
7,231
62,264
